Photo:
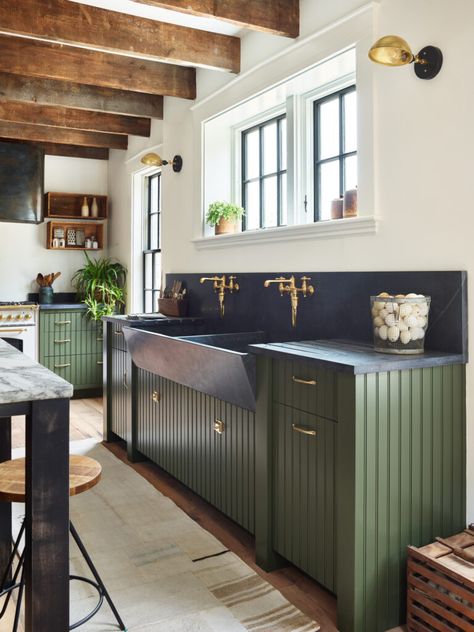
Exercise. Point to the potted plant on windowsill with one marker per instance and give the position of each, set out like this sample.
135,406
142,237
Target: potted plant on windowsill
225,217
101,285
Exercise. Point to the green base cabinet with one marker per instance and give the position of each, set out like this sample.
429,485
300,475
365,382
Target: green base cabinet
205,443
71,345
384,468
118,379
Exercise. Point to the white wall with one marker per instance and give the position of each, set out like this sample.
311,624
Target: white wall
23,250
418,148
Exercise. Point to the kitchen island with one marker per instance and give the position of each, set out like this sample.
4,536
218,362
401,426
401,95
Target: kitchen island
27,388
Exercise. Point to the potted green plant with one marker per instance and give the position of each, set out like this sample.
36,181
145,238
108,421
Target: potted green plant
101,285
224,216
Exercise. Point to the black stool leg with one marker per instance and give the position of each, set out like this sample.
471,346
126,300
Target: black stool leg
93,570
8,585
20,597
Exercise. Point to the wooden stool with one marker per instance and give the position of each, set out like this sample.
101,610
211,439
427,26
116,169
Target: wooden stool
84,473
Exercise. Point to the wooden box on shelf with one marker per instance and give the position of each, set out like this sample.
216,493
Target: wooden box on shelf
69,232
69,205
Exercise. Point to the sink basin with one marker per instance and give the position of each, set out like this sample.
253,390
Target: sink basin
215,364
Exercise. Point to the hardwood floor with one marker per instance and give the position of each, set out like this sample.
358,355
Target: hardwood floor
298,588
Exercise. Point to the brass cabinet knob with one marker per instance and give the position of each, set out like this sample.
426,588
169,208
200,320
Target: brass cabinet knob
219,426
156,397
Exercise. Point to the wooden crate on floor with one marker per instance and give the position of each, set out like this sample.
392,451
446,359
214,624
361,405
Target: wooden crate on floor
441,585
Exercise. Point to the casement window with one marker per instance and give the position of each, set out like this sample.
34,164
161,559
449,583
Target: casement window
152,243
264,174
335,148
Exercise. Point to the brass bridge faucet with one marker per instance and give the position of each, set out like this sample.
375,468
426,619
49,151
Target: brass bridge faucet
293,291
220,286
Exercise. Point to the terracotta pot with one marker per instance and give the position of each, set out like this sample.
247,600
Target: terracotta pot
226,226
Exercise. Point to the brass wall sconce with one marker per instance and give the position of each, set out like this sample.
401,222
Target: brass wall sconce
154,160
294,292
392,50
220,286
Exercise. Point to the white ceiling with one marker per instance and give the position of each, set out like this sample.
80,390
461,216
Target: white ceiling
163,15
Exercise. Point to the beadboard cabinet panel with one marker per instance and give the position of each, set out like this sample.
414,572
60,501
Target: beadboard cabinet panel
176,428
120,410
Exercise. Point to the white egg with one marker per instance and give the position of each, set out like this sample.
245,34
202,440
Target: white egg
383,294
414,331
383,313
390,320
415,310
420,333
374,312
412,295
423,309
383,332
389,307
402,326
378,322
405,310
405,337
378,305
396,308
393,334
421,322
411,321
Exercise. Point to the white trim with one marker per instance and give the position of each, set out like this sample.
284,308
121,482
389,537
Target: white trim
317,230
369,6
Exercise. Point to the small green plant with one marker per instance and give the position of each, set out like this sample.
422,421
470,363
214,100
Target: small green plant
101,285
223,210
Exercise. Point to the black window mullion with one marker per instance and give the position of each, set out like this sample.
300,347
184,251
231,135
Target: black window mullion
149,253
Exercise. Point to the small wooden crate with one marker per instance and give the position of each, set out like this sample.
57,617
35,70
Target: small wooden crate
441,586
173,306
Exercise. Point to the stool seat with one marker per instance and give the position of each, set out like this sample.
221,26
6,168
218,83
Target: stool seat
84,473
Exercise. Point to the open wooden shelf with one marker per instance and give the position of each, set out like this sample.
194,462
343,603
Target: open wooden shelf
91,229
68,206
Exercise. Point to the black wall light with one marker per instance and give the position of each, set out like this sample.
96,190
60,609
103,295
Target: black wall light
392,50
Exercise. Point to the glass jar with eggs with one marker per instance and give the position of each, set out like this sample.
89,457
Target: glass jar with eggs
400,322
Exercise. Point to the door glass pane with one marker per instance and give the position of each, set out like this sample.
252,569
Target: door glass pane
157,271
154,219
284,201
270,148
329,129
252,205
252,155
270,201
283,144
154,194
350,122
328,187
148,302
148,271
350,172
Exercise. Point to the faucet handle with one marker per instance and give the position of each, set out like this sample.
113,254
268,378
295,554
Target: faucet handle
305,278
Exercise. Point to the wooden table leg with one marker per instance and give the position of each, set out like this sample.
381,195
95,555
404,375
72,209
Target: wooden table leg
47,517
5,508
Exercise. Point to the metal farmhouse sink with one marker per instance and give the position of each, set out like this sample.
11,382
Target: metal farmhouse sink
215,364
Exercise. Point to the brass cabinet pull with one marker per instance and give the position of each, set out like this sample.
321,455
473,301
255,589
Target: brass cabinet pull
302,430
62,322
219,426
155,396
299,380
62,342
100,362
62,366
118,333
125,380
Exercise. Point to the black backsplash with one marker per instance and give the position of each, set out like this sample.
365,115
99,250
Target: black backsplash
340,307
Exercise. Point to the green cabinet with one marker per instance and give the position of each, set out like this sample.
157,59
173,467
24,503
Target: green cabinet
71,345
207,444
120,385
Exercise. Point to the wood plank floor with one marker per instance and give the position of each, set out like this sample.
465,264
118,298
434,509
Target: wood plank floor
298,588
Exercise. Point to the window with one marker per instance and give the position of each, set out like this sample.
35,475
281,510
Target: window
152,244
264,177
335,149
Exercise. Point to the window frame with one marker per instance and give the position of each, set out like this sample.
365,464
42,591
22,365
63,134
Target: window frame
244,131
147,250
341,156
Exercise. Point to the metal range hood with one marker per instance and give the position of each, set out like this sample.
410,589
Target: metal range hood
21,183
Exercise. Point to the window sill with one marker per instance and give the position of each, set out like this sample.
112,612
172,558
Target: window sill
319,230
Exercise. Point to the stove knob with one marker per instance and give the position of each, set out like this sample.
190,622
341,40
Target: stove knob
1,316
27,316
18,317
9,317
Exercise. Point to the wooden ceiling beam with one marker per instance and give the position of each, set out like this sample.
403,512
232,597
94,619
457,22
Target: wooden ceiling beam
75,95
113,32
280,17
56,116
72,151
45,134
33,58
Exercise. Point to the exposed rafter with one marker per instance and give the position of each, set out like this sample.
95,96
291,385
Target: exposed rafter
110,31
280,17
54,61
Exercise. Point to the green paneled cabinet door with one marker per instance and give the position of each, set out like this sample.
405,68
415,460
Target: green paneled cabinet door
70,344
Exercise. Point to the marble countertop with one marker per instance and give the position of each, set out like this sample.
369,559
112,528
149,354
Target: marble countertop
23,380
354,357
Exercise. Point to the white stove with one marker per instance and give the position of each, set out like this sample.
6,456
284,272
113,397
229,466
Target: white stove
18,326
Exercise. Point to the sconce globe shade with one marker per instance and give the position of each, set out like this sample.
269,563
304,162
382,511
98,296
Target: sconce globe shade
391,50
152,160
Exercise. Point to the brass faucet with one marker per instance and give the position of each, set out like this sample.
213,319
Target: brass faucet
220,286
293,291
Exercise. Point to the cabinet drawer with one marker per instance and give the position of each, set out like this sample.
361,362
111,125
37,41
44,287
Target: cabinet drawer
304,453
118,339
66,342
82,371
64,321
304,386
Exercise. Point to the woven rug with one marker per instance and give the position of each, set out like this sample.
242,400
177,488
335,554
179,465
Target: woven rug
164,572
